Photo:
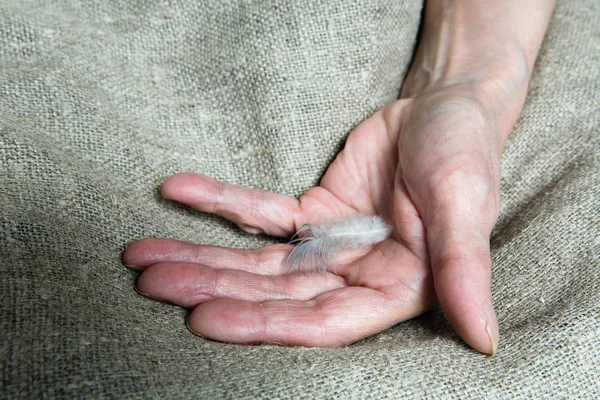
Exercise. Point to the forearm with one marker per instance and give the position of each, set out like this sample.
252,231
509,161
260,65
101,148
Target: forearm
486,46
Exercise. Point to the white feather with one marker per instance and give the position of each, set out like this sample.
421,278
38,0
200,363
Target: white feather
316,244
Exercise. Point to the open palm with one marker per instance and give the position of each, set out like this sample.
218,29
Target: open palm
414,171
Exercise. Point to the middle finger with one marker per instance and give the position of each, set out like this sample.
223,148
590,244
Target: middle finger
188,285
268,260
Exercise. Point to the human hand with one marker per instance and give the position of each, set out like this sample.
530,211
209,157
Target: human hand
428,165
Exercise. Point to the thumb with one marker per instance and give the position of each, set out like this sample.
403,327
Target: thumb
461,264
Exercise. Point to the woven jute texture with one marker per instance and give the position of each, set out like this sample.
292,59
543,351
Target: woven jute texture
100,101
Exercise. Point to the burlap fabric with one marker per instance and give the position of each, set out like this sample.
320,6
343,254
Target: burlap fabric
100,101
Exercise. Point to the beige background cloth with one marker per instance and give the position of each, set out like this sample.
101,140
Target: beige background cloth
101,101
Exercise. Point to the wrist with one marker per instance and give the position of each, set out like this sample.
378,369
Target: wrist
498,84
485,50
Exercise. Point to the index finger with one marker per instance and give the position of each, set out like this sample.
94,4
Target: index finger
254,211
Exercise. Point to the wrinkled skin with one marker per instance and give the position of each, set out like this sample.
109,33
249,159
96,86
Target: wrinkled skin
428,164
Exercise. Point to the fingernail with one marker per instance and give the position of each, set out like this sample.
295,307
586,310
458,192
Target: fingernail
490,324
131,266
187,324
493,341
250,229
140,292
